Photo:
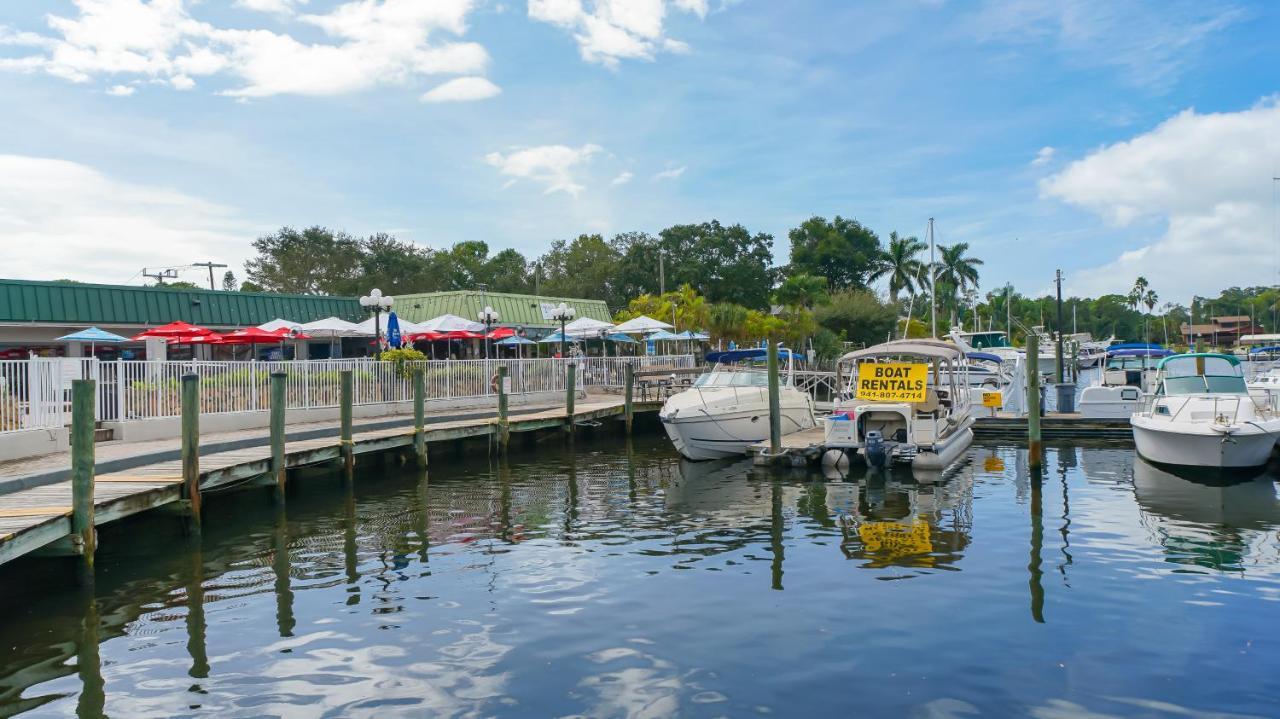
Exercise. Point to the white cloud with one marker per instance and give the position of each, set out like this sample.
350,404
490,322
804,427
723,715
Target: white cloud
373,42
283,7
63,219
670,174
1150,43
623,178
121,90
1043,156
613,30
1207,179
462,89
549,165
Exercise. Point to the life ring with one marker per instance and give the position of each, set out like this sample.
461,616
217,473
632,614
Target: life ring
493,383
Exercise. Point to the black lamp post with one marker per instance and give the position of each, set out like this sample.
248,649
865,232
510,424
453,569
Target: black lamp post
563,314
379,304
489,318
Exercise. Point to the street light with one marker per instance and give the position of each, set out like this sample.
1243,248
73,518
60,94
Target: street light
489,318
378,304
563,314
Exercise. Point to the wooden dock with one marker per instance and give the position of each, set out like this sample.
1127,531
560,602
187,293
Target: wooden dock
808,446
41,517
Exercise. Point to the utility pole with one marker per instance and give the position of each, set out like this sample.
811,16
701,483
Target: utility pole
662,274
161,275
210,265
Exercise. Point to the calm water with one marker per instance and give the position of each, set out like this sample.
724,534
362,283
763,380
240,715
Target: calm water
620,582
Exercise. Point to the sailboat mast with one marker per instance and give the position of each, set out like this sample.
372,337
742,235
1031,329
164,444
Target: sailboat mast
933,286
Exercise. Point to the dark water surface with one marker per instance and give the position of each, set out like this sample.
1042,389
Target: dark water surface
617,581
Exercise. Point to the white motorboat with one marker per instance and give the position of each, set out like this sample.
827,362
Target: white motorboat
727,408
897,406
985,373
1202,415
1127,381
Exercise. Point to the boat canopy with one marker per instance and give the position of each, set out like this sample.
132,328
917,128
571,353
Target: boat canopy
984,357
1175,360
1201,373
1267,350
1136,352
933,349
1135,346
753,353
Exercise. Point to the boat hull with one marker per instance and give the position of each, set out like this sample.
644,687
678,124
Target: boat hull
1247,446
708,436
944,453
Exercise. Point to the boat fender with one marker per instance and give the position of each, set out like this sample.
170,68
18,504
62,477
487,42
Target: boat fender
874,449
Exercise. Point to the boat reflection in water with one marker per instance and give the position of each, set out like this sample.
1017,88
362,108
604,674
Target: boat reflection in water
884,518
1208,519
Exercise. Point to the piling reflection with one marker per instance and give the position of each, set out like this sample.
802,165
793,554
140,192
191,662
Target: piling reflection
92,698
196,626
280,566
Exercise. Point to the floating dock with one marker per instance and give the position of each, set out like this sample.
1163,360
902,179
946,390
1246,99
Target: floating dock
808,446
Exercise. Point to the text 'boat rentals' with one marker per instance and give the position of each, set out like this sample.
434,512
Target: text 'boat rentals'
727,408
907,401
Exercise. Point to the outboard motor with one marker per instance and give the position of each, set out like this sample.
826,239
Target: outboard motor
874,450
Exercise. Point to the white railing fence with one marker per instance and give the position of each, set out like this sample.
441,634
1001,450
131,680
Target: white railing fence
35,393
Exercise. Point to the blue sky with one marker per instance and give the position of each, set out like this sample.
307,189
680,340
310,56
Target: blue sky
1110,139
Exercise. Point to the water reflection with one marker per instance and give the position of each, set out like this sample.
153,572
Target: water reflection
619,581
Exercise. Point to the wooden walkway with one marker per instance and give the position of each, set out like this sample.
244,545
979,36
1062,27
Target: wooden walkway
35,518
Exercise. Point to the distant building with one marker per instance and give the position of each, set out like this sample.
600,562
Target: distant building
34,314
1227,329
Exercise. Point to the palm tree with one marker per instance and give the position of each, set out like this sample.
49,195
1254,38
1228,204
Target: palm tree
1137,294
954,270
901,264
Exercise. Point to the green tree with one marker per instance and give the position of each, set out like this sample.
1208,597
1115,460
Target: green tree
858,316
801,291
461,267
954,273
726,264
393,266
842,250
508,271
314,261
584,267
901,263
637,269
229,283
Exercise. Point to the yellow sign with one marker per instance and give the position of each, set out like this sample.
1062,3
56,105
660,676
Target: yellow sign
992,399
884,382
896,538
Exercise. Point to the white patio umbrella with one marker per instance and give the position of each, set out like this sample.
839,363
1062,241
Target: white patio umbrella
406,327
334,328
641,325
586,327
279,324
450,323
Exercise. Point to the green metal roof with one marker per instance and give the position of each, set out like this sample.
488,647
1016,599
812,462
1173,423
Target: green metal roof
512,309
29,301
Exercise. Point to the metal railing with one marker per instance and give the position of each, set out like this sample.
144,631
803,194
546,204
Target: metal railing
35,393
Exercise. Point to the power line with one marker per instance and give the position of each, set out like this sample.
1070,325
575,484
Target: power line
209,265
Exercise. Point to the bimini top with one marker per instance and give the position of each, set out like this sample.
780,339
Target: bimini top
1138,352
933,349
1135,346
1229,359
753,353
984,357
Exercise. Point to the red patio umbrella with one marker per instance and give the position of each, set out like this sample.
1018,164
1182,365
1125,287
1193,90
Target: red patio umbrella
173,329
254,335
501,333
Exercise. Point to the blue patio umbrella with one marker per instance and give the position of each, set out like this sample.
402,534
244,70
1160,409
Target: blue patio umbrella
663,335
393,329
93,336
619,337
514,341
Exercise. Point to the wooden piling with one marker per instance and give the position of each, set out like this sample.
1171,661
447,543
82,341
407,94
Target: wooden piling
1034,449
628,397
83,535
775,402
191,445
420,417
278,400
504,426
570,394
345,441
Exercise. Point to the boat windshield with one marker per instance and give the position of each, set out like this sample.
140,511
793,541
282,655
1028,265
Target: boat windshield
733,377
984,340
1203,375
1131,362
